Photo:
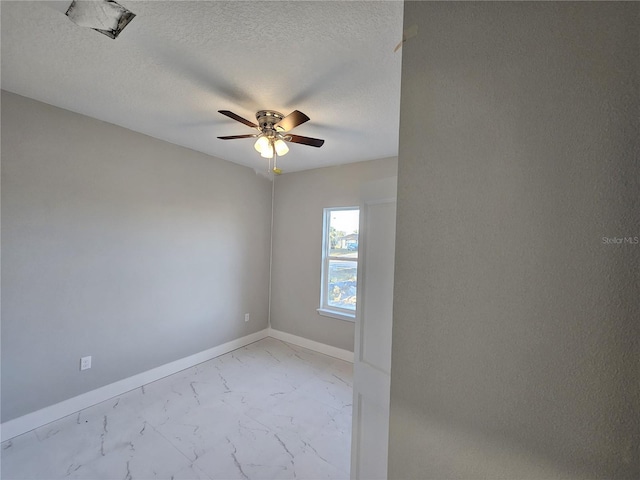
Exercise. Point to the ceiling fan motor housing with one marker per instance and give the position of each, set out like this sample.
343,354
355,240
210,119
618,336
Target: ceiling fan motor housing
267,119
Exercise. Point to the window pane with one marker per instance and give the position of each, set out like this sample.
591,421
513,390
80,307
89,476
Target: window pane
342,282
343,233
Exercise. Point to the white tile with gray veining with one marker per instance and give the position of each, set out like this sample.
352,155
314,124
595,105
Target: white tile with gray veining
270,410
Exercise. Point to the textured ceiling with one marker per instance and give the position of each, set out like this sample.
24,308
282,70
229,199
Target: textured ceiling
177,63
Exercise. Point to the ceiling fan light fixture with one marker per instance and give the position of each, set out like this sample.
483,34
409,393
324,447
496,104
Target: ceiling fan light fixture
271,141
262,143
281,147
267,152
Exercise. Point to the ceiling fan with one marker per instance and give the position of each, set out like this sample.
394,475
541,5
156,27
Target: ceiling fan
273,128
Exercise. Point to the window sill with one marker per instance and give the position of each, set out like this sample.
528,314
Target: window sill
339,315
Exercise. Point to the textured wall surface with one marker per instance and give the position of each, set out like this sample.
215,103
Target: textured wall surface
297,245
119,246
515,322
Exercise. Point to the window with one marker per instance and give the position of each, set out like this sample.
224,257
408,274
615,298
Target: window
339,262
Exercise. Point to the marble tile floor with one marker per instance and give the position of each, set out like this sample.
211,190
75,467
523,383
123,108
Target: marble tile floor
270,410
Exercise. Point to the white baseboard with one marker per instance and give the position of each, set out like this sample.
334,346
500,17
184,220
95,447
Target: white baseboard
41,417
340,353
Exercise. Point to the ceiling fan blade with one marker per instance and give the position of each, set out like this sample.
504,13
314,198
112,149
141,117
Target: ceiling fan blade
233,137
238,118
313,142
291,121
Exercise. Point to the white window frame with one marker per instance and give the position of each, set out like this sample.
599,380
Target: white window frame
326,309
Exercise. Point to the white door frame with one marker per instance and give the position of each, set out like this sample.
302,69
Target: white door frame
371,382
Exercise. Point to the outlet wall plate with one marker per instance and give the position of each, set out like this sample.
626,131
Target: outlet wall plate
85,363
246,317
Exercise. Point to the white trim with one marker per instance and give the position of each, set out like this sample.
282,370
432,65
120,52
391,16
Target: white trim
30,421
49,414
273,197
335,352
335,314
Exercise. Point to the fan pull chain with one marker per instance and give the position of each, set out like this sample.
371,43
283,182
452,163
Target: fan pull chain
269,163
276,170
275,159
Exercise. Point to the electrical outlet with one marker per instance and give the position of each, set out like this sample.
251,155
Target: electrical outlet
85,363
246,317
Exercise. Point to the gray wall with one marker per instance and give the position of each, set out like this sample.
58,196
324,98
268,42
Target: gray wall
299,201
119,246
514,323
